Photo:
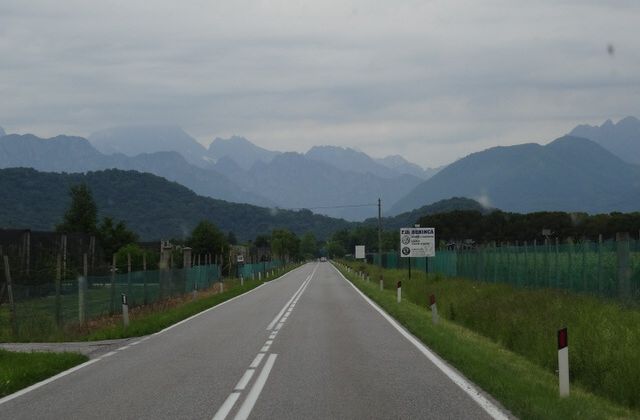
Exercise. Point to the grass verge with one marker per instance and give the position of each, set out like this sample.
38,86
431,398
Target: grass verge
528,390
19,370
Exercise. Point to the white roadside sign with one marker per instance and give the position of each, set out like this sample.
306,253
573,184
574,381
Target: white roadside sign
360,252
417,242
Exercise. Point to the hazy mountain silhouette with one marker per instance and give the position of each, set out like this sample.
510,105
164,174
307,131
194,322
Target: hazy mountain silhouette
295,181
134,140
569,174
621,139
240,150
403,166
75,154
2,132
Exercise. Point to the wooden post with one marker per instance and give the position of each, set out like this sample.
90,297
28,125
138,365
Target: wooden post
624,270
82,287
600,263
144,277
113,284
58,287
12,304
129,275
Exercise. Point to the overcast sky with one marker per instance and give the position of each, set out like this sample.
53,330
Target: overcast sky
430,80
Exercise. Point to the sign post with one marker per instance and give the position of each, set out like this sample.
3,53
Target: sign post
417,242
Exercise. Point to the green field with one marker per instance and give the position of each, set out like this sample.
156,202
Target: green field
19,370
604,335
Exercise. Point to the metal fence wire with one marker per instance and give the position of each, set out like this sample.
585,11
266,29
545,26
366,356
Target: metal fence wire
610,269
37,310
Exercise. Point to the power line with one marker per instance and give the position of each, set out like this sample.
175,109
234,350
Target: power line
335,207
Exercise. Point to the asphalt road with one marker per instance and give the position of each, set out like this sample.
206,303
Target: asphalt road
305,346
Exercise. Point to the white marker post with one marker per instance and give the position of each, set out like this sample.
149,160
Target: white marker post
434,309
399,291
381,283
125,311
241,281
563,361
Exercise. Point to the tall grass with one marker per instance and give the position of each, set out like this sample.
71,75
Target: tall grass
604,336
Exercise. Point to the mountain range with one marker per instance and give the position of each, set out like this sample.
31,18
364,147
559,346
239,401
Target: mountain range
569,174
231,169
593,169
621,138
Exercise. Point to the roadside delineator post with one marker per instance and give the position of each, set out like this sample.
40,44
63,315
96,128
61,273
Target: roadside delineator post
125,310
434,309
399,286
241,281
259,275
381,283
563,361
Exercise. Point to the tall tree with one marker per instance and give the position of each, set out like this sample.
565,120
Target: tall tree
82,215
207,238
309,245
114,236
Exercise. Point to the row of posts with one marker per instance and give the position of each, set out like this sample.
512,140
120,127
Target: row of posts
562,337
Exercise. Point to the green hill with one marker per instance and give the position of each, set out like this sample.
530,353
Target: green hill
150,205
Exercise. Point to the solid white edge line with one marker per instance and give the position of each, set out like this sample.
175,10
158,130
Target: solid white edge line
256,389
256,361
111,353
46,381
242,383
455,377
226,407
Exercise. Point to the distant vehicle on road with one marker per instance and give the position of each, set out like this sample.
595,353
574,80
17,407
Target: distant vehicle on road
323,259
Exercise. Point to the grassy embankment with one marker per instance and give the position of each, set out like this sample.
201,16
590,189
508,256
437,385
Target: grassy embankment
19,370
41,326
504,339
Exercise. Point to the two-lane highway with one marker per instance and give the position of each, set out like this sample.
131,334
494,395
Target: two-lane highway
307,345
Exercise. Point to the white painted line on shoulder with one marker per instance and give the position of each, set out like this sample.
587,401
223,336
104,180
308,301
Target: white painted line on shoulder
226,407
256,361
256,389
265,348
269,342
278,326
111,353
242,383
124,347
458,379
46,381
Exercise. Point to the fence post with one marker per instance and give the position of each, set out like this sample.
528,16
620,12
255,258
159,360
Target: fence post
129,274
600,263
12,304
624,272
557,267
113,284
58,287
82,287
144,277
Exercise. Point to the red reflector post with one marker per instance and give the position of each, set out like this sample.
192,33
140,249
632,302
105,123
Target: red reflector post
399,284
563,338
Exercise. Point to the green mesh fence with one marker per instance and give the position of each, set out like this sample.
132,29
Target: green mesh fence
610,269
250,271
41,309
